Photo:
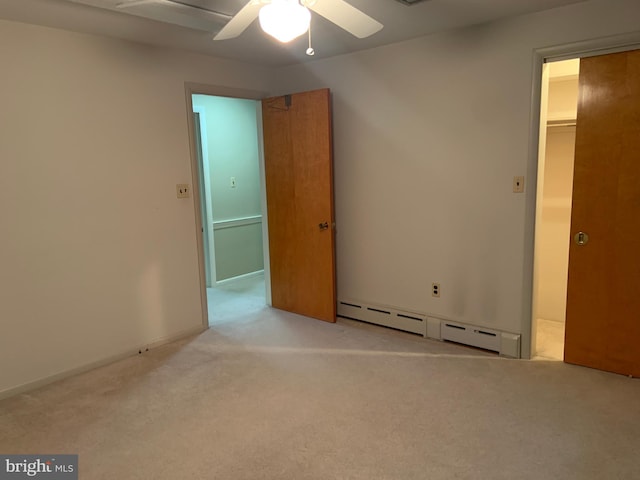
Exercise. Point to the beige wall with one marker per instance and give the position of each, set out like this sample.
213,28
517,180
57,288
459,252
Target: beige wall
428,136
98,255
552,248
563,99
554,235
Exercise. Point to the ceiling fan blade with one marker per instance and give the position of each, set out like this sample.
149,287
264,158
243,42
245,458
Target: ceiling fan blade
134,3
241,21
346,16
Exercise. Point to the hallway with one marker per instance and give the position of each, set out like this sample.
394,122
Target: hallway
235,299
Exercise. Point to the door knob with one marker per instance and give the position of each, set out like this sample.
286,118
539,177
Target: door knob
581,238
323,226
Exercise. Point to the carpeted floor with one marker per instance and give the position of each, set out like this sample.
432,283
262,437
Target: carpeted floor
271,395
550,340
243,296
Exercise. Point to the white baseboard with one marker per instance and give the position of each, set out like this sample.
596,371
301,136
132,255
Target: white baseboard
240,277
129,352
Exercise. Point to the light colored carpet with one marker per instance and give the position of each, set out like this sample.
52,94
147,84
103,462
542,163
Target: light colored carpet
243,296
272,395
550,340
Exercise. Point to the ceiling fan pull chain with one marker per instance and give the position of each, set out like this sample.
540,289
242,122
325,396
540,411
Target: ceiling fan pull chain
310,50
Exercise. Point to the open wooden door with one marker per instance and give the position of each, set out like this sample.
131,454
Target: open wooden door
299,184
603,292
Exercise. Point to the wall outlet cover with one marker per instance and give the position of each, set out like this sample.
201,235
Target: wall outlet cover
183,190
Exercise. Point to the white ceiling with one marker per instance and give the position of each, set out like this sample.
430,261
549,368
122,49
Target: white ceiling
400,23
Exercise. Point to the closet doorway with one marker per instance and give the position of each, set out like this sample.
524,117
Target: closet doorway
553,215
601,305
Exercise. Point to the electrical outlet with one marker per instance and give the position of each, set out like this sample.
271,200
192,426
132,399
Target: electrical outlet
518,184
183,190
435,289
232,182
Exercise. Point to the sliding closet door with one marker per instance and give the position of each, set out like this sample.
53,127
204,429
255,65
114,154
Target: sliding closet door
603,293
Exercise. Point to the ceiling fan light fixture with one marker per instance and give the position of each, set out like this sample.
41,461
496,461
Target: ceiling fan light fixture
284,19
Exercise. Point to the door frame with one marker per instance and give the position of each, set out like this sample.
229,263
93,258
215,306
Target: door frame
221,91
587,48
207,230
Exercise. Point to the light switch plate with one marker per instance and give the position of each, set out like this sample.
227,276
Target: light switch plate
183,190
518,184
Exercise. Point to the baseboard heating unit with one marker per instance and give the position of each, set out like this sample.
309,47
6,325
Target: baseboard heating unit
503,343
382,315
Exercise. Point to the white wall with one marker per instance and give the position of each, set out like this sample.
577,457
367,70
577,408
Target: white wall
428,136
98,256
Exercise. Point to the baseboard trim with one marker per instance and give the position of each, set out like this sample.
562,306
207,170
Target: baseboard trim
129,352
240,277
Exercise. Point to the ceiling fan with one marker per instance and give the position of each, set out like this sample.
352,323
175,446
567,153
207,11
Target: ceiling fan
282,19
288,19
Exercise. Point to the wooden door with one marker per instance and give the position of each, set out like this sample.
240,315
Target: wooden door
299,184
603,292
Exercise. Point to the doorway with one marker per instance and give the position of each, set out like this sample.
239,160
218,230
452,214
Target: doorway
295,165
553,209
227,141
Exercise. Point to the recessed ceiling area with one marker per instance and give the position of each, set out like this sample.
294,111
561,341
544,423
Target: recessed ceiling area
202,15
411,2
192,25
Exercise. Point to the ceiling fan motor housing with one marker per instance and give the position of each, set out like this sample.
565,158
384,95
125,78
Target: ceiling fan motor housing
411,2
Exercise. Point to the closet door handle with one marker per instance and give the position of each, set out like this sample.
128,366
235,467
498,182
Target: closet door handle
581,238
323,226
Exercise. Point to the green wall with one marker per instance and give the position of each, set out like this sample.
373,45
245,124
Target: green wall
232,143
